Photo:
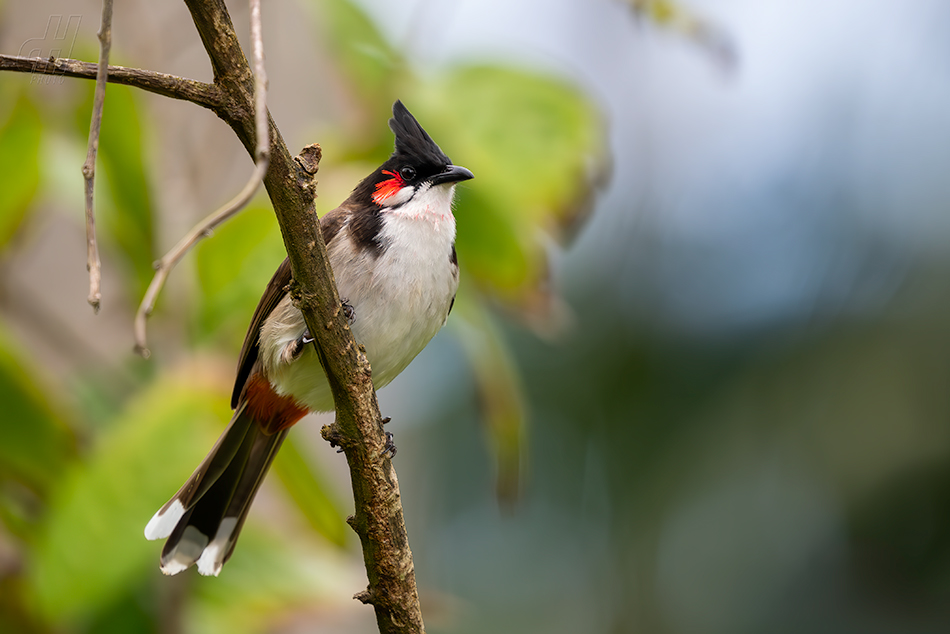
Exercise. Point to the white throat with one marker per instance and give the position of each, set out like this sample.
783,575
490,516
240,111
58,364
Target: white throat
432,204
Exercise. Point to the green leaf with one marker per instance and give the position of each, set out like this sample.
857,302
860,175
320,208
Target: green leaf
132,610
233,268
364,57
500,391
20,137
92,545
532,142
489,247
35,442
310,492
273,574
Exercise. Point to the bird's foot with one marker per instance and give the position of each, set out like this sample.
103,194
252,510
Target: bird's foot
348,311
295,348
390,447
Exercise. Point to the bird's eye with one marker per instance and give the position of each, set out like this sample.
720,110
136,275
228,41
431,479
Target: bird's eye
407,173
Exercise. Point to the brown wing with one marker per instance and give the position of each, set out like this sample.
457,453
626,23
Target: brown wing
330,226
275,291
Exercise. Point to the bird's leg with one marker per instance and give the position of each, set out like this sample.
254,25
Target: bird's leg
348,311
389,447
294,349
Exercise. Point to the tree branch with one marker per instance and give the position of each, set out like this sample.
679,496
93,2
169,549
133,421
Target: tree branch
204,228
93,265
290,183
197,92
168,261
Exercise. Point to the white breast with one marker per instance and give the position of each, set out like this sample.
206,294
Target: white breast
400,298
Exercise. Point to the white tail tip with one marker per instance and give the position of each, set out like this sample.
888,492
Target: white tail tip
164,522
185,552
212,558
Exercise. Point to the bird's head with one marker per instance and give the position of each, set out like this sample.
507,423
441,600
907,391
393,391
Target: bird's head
417,169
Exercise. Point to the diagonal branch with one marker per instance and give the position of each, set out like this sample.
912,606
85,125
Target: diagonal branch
378,517
168,261
93,265
262,149
197,92
204,228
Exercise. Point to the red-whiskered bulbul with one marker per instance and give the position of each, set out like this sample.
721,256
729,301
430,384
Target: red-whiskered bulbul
392,249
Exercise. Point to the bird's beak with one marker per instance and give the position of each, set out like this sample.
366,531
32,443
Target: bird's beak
452,174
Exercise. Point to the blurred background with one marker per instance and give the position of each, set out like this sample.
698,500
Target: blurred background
695,382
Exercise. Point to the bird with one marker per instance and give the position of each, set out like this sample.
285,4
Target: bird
391,245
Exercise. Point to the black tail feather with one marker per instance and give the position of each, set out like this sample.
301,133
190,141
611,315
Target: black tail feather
203,520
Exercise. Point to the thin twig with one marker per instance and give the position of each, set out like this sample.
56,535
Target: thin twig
260,86
197,92
708,35
204,228
89,167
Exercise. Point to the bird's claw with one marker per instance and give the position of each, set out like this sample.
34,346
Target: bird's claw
348,311
390,447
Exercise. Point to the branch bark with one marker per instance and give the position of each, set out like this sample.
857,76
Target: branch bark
170,260
93,264
197,92
290,183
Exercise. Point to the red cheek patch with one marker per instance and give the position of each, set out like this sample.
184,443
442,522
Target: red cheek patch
387,189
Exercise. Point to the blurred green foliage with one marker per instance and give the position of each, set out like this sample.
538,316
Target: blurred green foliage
232,270
678,17
35,441
790,479
92,529
76,490
20,134
536,145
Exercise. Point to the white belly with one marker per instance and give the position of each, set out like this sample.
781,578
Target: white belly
400,301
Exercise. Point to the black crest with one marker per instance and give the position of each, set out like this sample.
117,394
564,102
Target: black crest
414,148
412,141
